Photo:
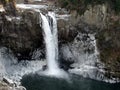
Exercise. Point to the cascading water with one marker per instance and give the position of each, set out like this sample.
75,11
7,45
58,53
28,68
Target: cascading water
50,45
51,40
53,25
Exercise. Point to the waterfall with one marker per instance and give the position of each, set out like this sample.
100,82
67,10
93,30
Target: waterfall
49,36
49,26
53,25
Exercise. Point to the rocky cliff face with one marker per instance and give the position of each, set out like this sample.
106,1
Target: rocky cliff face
78,37
22,34
102,22
109,47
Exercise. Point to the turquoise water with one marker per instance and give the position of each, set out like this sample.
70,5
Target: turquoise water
36,82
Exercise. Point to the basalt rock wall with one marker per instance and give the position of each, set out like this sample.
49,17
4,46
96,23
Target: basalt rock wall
76,33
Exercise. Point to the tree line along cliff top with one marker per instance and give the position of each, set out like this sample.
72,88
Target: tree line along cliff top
81,5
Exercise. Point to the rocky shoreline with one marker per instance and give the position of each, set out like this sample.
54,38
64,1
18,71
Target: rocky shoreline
6,84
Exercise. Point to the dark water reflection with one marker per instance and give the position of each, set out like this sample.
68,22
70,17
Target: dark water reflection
36,82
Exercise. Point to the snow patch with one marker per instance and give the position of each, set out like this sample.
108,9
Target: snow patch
14,70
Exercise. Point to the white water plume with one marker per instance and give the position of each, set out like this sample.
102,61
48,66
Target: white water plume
51,41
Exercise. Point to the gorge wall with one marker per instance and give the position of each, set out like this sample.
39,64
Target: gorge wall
78,37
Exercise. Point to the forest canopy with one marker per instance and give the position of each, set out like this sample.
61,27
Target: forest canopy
81,5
